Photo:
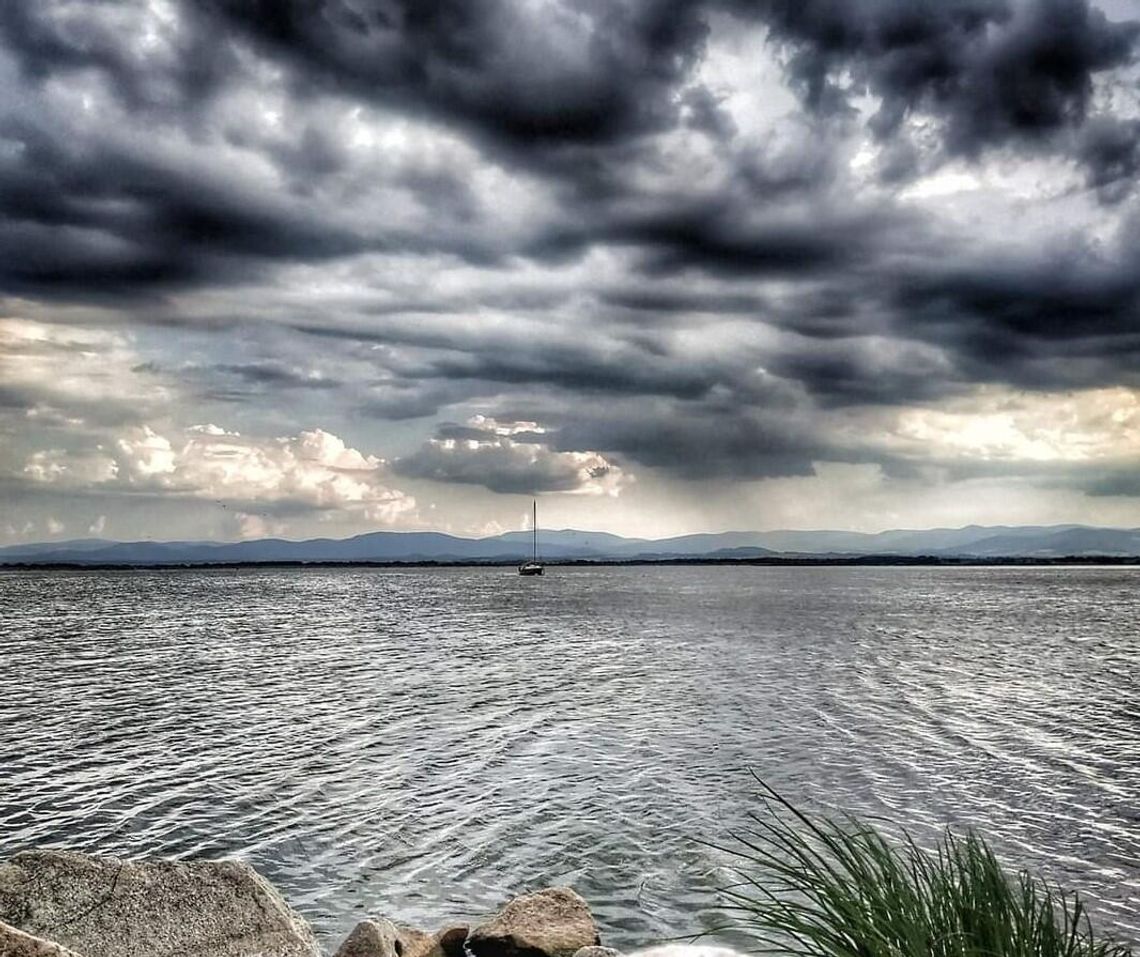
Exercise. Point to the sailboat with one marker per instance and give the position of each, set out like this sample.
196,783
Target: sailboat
534,566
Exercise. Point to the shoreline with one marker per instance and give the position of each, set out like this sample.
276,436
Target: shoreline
812,561
57,903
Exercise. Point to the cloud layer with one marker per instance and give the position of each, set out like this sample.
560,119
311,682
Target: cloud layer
699,245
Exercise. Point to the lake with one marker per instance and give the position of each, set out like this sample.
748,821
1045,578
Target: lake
424,743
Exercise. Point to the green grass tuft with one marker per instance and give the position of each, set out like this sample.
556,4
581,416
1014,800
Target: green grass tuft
813,887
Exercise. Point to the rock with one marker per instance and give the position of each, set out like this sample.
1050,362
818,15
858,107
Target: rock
551,923
595,951
451,941
15,943
105,907
413,943
448,942
371,938
382,938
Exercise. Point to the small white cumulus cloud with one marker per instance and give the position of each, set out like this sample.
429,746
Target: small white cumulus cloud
494,426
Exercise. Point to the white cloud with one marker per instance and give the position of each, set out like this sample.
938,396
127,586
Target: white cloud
495,427
258,526
1086,426
71,468
69,374
144,454
312,470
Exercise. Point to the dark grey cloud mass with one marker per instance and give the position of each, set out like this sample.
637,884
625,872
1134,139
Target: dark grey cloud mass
499,463
582,214
530,75
992,70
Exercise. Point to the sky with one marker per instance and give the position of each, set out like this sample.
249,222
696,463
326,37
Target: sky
324,267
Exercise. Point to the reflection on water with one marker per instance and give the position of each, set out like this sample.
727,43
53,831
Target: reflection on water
425,743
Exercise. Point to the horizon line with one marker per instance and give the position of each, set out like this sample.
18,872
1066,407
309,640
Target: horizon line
523,531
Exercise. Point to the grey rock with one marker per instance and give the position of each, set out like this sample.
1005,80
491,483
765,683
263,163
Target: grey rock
596,951
448,942
106,907
15,943
371,938
378,937
551,923
411,942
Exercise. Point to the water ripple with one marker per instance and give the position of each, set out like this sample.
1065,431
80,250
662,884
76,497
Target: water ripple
427,743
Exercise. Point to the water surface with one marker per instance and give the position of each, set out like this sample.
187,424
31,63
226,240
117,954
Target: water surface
424,743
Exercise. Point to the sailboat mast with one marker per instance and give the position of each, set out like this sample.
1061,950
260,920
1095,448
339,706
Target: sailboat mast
534,530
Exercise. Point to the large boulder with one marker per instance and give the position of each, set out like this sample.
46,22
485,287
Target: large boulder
551,923
106,907
15,943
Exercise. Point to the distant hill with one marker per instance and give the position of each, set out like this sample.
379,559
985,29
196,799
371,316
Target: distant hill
975,541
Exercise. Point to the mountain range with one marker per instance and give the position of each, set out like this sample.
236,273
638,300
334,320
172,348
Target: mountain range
971,542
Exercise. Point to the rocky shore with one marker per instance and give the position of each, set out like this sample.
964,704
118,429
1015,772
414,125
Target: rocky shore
64,904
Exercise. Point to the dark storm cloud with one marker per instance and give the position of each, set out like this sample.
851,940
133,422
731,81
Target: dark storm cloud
88,217
1032,303
274,374
460,433
890,337
543,86
592,80
717,239
254,382
495,467
96,219
575,371
449,362
993,71
1110,151
410,399
856,299
695,443
592,72
844,373
657,301
51,37
469,455
1068,320
602,72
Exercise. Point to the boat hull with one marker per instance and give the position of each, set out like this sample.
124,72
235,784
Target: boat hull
530,568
